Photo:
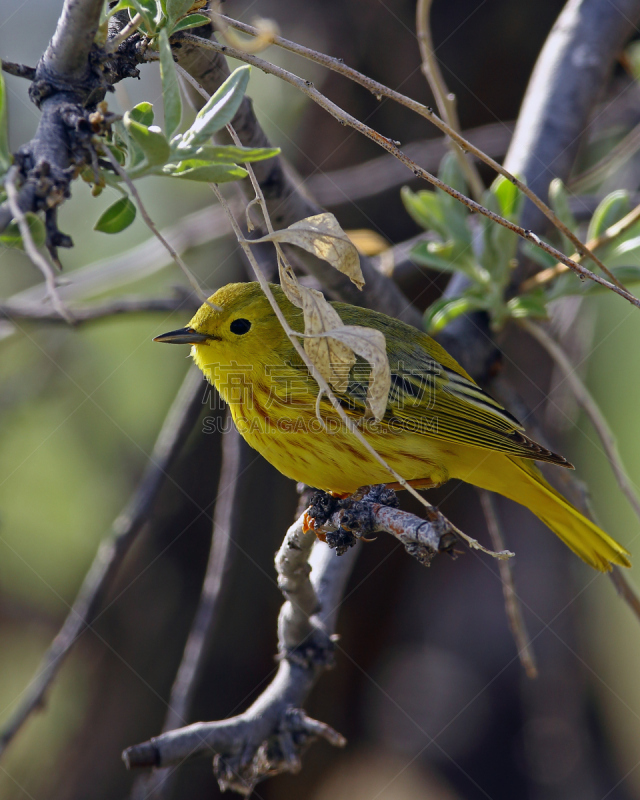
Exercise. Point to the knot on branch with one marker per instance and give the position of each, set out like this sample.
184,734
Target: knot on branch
317,651
280,752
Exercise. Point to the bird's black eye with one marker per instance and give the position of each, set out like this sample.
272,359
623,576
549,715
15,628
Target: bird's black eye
240,326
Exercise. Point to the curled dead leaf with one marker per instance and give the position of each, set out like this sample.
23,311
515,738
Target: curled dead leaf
323,236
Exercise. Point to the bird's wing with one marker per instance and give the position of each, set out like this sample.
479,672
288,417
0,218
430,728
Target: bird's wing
432,400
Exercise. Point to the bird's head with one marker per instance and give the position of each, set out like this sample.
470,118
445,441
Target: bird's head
237,325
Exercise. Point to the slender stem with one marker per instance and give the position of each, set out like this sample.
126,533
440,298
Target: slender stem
131,27
97,311
380,90
346,119
19,70
29,245
445,100
590,407
611,233
614,159
511,600
152,226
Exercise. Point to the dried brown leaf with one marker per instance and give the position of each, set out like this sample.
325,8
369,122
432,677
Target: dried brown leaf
332,357
323,236
371,345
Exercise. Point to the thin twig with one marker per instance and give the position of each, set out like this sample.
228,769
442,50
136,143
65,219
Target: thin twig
29,245
625,590
228,503
19,70
511,601
179,422
132,26
445,100
614,159
346,119
380,90
590,407
611,233
152,226
97,311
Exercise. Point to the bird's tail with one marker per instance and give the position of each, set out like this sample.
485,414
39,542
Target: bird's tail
523,482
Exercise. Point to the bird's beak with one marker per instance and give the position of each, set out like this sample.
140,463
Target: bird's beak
183,336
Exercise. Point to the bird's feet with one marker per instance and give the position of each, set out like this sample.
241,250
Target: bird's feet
341,521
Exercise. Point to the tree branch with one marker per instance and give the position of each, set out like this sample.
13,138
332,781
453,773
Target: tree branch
271,735
236,455
565,85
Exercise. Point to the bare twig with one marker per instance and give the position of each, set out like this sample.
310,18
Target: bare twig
114,42
346,119
614,159
380,90
625,590
179,422
109,308
29,245
19,70
511,601
611,233
445,100
235,454
152,226
590,407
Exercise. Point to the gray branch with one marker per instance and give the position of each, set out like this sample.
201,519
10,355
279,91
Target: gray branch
67,56
567,82
270,736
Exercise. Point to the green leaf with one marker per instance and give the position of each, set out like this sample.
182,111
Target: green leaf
219,109
455,213
177,8
11,237
151,13
204,171
509,197
142,113
5,153
117,217
426,209
152,142
170,86
446,309
559,201
528,305
192,21
228,154
538,256
610,209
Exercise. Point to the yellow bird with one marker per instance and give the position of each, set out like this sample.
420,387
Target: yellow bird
439,423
